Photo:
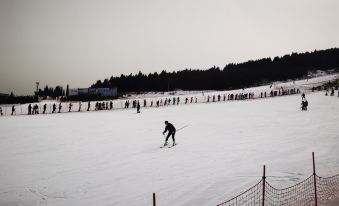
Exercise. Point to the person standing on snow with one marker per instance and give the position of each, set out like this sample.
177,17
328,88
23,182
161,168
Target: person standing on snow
13,110
171,131
45,107
29,109
138,107
54,108
60,107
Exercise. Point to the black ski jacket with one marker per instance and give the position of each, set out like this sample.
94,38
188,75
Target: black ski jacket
170,128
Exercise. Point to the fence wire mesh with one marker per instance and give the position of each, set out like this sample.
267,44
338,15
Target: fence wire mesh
301,194
327,187
250,197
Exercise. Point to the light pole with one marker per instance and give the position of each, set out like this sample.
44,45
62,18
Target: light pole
37,88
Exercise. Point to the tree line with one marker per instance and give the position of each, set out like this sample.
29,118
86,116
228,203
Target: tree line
232,76
56,92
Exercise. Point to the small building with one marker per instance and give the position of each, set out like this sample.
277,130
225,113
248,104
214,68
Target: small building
104,92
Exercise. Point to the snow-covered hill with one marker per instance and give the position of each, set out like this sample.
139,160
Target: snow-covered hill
113,157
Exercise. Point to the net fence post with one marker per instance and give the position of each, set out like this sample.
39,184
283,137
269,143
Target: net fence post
315,182
154,202
263,185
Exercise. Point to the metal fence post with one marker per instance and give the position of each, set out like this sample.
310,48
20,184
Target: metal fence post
154,202
315,182
263,185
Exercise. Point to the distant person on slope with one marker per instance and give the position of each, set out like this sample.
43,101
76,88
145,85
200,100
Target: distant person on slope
138,107
45,107
304,104
54,108
13,110
303,96
171,131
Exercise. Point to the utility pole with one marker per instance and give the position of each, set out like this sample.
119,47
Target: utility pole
37,88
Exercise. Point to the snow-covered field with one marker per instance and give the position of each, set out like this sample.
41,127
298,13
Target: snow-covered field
113,157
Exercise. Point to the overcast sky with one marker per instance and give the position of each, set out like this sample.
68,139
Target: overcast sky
56,42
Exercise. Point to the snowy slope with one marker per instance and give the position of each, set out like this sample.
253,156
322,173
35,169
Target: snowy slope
113,157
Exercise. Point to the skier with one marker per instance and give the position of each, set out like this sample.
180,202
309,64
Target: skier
88,106
1,111
171,131
60,107
304,104
303,96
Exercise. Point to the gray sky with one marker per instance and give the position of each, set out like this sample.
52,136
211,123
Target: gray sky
78,42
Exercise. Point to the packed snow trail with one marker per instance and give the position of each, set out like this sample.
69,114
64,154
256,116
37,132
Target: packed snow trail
113,158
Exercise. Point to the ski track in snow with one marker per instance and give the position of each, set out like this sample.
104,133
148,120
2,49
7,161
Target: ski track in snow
113,157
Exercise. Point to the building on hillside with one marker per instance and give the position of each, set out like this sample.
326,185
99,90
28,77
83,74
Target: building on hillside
104,92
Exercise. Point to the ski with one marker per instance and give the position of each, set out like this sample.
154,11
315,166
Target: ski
173,145
164,146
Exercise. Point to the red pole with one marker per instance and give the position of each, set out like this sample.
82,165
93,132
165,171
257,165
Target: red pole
315,182
263,186
154,202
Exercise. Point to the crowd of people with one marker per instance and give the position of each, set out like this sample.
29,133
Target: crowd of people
34,109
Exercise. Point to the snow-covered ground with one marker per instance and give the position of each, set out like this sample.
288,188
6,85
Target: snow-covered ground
113,157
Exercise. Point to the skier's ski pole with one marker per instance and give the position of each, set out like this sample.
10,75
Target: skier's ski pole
182,127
